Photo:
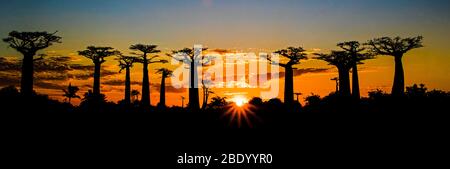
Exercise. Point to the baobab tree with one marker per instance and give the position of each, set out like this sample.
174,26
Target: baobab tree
357,54
126,62
28,44
165,73
145,50
395,47
294,56
342,61
135,95
97,55
71,92
193,58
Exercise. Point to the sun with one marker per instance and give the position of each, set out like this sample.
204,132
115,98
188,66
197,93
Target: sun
240,100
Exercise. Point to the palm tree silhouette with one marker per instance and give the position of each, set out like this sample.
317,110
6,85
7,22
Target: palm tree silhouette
294,55
126,62
193,58
145,50
343,62
396,47
355,50
162,94
28,44
97,55
135,95
71,92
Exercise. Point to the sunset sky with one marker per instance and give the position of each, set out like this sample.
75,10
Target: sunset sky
236,26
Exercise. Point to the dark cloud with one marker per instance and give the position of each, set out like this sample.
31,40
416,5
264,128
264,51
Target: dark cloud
7,65
105,72
9,79
219,51
116,82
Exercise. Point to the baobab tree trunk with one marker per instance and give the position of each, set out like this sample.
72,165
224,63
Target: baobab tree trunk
288,86
398,88
355,82
26,83
127,86
96,91
162,93
145,98
344,82
194,103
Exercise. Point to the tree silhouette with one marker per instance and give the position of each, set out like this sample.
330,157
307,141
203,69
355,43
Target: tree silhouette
355,50
192,58
135,95
28,44
162,94
218,102
71,92
97,55
396,47
145,50
294,55
343,62
206,92
126,62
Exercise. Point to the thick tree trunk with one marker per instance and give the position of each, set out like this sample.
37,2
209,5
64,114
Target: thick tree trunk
194,103
97,79
162,93
344,82
145,99
289,86
398,88
26,83
127,86
355,82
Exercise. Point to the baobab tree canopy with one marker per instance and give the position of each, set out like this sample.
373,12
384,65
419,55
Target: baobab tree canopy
98,54
30,42
293,54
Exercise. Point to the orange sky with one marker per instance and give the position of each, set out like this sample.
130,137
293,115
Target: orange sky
240,26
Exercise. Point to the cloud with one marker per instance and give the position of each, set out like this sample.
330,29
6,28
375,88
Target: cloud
48,85
9,79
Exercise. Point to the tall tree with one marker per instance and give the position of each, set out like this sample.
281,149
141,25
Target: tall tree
206,92
355,50
28,44
342,61
144,51
193,58
162,94
294,55
396,47
126,62
71,92
97,55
